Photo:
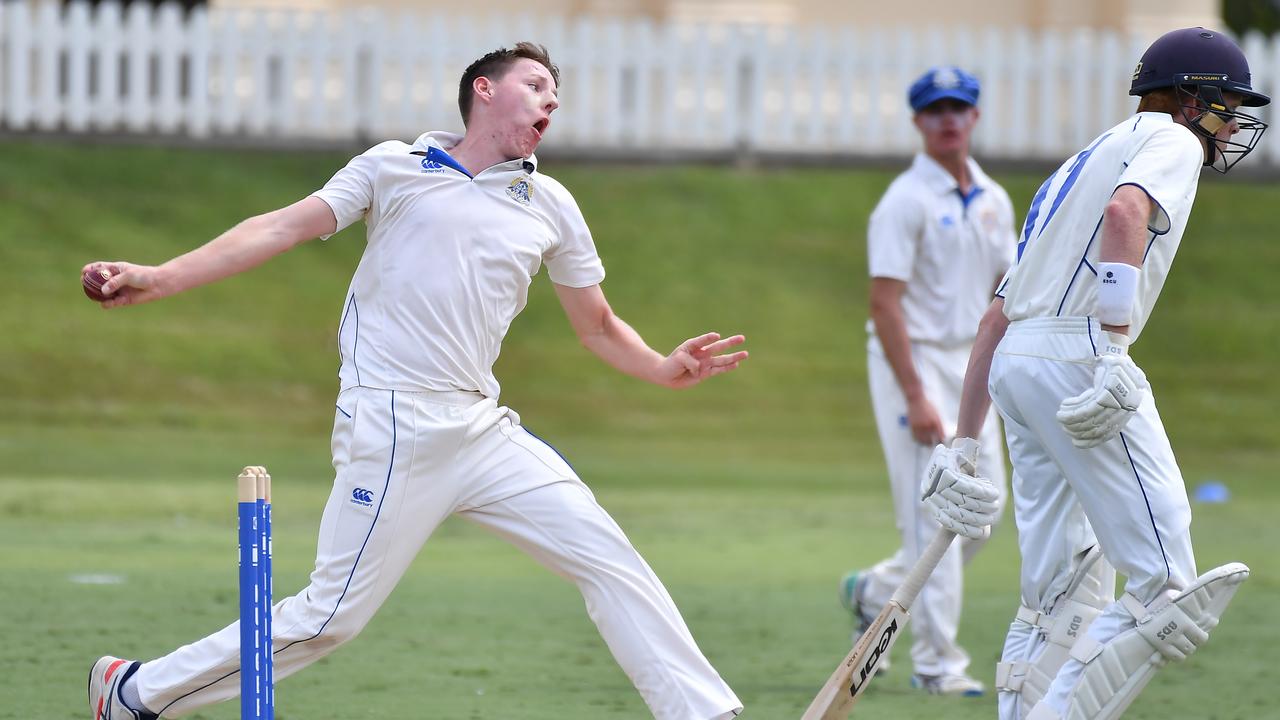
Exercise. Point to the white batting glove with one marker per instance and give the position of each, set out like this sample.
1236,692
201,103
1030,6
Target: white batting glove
1098,414
959,500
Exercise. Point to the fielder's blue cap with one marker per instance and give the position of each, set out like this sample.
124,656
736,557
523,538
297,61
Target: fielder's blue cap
943,82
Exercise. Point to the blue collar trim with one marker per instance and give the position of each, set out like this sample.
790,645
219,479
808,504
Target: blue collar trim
974,192
435,154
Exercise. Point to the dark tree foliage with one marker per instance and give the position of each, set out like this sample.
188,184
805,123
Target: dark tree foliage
186,5
1243,16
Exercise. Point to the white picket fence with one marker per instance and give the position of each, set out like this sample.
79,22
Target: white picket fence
627,86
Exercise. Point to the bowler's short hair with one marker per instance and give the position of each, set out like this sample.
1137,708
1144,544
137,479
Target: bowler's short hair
495,64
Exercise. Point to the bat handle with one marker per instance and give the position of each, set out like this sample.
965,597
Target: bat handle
907,591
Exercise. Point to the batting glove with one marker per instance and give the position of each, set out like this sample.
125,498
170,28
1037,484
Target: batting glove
1098,414
957,498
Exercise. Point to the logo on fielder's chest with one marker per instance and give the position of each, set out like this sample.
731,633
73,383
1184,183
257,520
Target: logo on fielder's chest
431,166
521,190
362,497
990,220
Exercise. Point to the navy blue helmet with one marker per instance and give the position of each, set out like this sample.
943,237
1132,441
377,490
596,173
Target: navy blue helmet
1201,65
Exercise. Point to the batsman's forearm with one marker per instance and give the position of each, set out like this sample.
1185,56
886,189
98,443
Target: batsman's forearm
975,399
245,246
1124,232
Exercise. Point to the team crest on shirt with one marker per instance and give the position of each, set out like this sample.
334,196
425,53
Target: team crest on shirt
521,190
990,220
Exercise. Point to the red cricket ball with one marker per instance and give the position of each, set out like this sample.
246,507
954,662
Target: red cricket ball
93,281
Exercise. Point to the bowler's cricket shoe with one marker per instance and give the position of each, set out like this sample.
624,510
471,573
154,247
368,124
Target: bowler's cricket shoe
958,685
105,680
853,591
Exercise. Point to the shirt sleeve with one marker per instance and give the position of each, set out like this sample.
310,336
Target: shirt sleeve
349,193
572,259
1004,282
893,235
1167,168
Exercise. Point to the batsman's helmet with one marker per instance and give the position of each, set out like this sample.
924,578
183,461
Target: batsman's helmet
1201,65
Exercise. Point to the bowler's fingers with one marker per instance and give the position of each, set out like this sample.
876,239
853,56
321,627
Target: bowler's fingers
695,345
118,299
729,359
122,275
718,369
130,287
113,267
722,345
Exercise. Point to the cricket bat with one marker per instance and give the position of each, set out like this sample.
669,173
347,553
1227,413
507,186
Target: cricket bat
845,686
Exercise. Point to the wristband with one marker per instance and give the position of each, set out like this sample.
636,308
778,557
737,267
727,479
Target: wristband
1117,288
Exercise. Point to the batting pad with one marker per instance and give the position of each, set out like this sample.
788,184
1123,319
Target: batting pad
1116,672
1091,589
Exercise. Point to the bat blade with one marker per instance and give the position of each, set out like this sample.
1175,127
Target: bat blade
851,677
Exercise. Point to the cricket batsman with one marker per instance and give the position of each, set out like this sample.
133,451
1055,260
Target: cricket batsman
1093,467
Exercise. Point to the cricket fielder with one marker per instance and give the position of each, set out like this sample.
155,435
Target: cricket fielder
1092,463
457,228
938,243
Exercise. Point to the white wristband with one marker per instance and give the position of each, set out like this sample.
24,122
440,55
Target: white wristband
1117,288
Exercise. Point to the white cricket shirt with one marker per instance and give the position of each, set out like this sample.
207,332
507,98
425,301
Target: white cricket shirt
448,263
948,248
1055,275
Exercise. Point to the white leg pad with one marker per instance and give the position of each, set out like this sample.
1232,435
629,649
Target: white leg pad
1092,588
1042,711
1116,672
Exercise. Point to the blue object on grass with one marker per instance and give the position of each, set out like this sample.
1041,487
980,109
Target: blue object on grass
1212,491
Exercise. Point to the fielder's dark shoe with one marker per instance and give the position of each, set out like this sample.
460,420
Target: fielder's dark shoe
853,590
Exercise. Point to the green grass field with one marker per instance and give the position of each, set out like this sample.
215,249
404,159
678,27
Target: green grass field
749,496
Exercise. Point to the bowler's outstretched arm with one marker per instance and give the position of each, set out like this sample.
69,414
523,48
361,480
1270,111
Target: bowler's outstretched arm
617,343
247,245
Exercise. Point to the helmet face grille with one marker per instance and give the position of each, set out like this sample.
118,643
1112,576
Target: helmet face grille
1207,112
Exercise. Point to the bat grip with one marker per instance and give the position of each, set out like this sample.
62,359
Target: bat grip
907,591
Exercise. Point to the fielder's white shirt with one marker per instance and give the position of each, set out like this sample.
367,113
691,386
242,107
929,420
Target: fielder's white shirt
948,248
1056,271
448,263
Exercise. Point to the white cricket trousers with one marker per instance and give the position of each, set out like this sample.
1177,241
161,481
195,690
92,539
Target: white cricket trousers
1126,494
405,461
936,612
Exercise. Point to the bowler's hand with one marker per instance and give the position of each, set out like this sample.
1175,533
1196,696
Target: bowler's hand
129,284
697,359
